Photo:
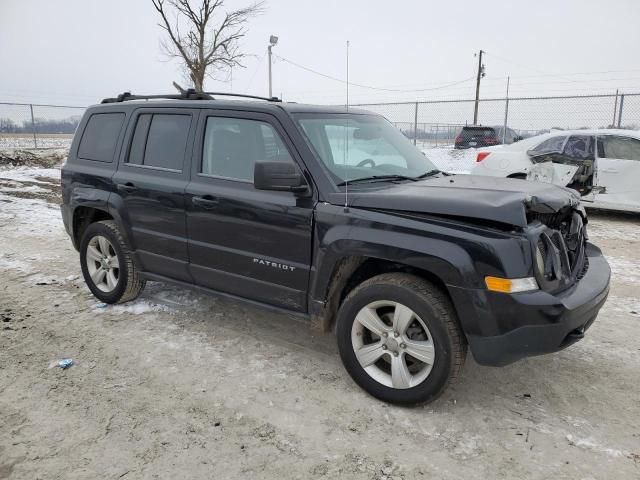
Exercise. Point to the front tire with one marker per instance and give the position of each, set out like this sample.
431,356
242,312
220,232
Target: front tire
107,264
399,338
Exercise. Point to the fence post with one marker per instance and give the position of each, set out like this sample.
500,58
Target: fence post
33,127
415,126
506,117
615,108
620,109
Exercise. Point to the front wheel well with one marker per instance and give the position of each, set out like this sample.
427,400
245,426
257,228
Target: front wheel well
85,216
360,270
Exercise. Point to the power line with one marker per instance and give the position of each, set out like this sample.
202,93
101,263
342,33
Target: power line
369,87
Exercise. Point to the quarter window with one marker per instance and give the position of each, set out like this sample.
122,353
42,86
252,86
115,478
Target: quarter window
232,146
100,137
622,148
160,140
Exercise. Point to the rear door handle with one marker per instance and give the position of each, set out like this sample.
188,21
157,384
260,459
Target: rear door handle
610,170
127,187
206,201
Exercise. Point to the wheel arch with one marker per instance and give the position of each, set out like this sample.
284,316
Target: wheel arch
83,216
350,271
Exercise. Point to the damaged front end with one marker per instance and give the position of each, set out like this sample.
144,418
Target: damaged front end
559,240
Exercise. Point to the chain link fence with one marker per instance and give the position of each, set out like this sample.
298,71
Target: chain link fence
430,124
435,124
26,125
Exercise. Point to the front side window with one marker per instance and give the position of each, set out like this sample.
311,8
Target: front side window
160,140
618,147
232,146
100,137
355,146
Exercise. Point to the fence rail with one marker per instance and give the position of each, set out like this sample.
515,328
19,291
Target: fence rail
432,124
437,122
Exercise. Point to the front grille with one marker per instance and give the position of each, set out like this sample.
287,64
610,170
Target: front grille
551,220
562,246
583,270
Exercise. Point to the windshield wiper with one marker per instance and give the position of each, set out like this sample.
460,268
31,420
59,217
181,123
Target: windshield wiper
375,178
430,173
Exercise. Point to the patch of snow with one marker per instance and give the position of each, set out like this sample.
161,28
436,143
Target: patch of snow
624,270
590,444
10,262
22,174
138,307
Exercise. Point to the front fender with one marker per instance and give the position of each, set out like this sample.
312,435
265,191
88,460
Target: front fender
459,254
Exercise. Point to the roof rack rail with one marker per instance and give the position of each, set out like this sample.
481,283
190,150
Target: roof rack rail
242,95
189,94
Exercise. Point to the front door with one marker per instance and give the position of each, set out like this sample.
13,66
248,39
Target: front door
618,171
150,183
246,242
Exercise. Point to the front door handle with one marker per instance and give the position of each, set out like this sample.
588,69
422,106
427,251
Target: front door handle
127,187
610,170
206,201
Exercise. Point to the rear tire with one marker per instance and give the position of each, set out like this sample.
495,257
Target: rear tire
419,348
107,264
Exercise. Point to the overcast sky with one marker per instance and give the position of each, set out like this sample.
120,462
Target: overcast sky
78,51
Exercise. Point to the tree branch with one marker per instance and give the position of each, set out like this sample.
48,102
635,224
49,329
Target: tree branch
206,47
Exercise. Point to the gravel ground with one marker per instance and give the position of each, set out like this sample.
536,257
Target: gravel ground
182,385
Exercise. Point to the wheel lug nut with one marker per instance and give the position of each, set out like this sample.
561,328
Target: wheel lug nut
385,334
395,334
384,347
402,345
395,354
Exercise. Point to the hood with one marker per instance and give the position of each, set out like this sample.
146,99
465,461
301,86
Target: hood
503,200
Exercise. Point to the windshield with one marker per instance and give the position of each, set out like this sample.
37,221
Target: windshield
356,147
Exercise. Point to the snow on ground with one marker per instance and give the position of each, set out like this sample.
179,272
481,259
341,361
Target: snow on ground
43,141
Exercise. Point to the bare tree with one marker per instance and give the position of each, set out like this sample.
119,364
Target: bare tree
206,38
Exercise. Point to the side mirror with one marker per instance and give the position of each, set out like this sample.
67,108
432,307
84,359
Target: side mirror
279,176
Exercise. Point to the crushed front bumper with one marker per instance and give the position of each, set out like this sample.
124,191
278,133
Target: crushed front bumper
503,328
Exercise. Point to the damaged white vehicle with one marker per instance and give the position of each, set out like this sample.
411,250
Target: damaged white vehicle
602,165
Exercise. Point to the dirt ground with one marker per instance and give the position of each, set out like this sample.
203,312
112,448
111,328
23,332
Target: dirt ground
182,385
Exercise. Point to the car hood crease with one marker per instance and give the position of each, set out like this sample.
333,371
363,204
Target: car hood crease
496,199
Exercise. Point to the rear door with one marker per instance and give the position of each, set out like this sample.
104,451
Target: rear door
252,243
618,171
150,182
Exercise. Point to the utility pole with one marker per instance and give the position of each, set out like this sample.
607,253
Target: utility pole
480,75
273,41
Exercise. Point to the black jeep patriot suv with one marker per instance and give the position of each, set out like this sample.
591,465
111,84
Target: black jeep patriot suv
332,214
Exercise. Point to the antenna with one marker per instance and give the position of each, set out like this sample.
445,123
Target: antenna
346,140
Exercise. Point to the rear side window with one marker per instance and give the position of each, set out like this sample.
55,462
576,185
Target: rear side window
551,145
100,137
580,147
232,146
160,140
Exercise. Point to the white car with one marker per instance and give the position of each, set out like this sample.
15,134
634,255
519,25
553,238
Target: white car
602,165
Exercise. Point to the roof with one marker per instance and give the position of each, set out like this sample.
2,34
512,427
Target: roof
595,131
